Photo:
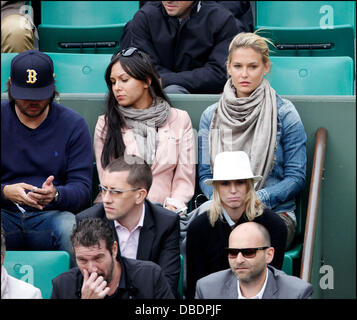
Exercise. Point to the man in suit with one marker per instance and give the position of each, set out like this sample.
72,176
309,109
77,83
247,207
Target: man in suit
102,273
143,230
250,277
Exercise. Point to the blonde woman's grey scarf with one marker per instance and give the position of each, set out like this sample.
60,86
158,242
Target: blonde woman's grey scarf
144,123
246,124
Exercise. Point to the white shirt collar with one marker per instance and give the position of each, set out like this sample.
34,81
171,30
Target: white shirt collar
260,293
227,217
140,223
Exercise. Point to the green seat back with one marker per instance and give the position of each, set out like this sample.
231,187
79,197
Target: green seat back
302,14
84,73
83,21
194,104
181,278
312,75
293,254
291,259
309,22
6,59
87,13
80,73
37,267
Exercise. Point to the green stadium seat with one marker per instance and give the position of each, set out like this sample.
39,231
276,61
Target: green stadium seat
181,278
37,267
80,73
290,256
84,26
328,26
194,104
6,59
293,254
312,75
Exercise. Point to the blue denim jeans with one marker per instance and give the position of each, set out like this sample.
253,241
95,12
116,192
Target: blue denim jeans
39,230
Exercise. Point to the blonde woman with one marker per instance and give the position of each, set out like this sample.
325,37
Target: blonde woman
234,202
252,117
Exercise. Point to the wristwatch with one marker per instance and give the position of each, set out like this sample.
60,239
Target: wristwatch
55,199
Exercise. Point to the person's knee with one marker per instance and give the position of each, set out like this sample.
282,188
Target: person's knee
174,88
65,222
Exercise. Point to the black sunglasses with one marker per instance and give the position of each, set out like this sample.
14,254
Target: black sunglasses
127,52
246,252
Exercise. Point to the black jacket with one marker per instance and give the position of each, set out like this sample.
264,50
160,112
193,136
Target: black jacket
158,241
139,280
205,245
191,54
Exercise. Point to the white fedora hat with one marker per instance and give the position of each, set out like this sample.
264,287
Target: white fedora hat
233,165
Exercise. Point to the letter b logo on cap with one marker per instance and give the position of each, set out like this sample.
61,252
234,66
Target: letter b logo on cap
31,76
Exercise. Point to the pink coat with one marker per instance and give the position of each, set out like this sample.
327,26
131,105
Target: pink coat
174,167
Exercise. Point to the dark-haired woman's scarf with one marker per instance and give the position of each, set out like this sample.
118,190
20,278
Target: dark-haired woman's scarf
246,124
144,123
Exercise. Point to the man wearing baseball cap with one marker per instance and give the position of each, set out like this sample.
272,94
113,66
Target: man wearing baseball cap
46,159
234,201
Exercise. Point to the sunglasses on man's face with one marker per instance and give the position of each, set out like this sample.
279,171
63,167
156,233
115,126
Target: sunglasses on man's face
246,252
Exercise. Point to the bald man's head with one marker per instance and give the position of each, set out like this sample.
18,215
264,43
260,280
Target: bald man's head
250,252
251,232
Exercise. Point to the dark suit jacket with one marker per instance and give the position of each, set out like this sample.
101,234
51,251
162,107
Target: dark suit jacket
223,285
139,280
158,241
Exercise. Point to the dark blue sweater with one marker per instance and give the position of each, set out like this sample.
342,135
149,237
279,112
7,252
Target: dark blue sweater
61,146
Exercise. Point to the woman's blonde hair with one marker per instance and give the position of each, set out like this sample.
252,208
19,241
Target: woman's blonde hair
250,40
253,206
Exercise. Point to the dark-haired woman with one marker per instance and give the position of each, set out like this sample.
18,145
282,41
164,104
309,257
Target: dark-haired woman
139,119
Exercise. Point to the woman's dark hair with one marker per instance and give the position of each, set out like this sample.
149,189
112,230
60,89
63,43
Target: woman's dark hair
139,66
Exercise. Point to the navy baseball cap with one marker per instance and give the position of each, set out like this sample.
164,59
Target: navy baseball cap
32,76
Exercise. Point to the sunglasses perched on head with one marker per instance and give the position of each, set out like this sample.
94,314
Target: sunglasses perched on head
127,52
246,252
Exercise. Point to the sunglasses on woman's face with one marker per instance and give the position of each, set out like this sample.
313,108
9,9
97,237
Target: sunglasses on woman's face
246,252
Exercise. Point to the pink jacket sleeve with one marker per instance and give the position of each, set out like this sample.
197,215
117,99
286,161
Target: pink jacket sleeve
183,183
